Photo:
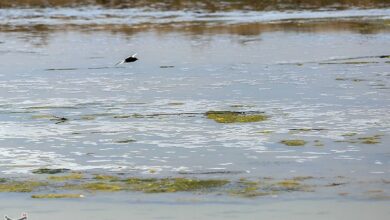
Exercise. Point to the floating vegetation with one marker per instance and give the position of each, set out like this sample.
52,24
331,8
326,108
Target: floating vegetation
349,79
43,117
59,120
176,103
241,106
57,196
136,115
335,184
50,171
51,118
266,132
235,117
302,178
108,183
370,139
165,185
88,117
350,134
72,176
318,143
350,62
375,139
60,69
106,177
43,107
125,141
98,186
248,188
22,186
290,185
295,142
200,172
299,130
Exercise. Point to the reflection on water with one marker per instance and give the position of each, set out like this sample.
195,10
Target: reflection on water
38,24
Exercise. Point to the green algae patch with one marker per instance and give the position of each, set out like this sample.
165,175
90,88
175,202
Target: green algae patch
293,143
72,176
25,186
166,185
57,196
50,171
234,117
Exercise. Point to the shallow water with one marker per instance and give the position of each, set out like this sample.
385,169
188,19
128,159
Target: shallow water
321,80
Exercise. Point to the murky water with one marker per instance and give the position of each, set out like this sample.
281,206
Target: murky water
321,77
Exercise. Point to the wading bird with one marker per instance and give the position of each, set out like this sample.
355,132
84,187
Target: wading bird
128,59
22,217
